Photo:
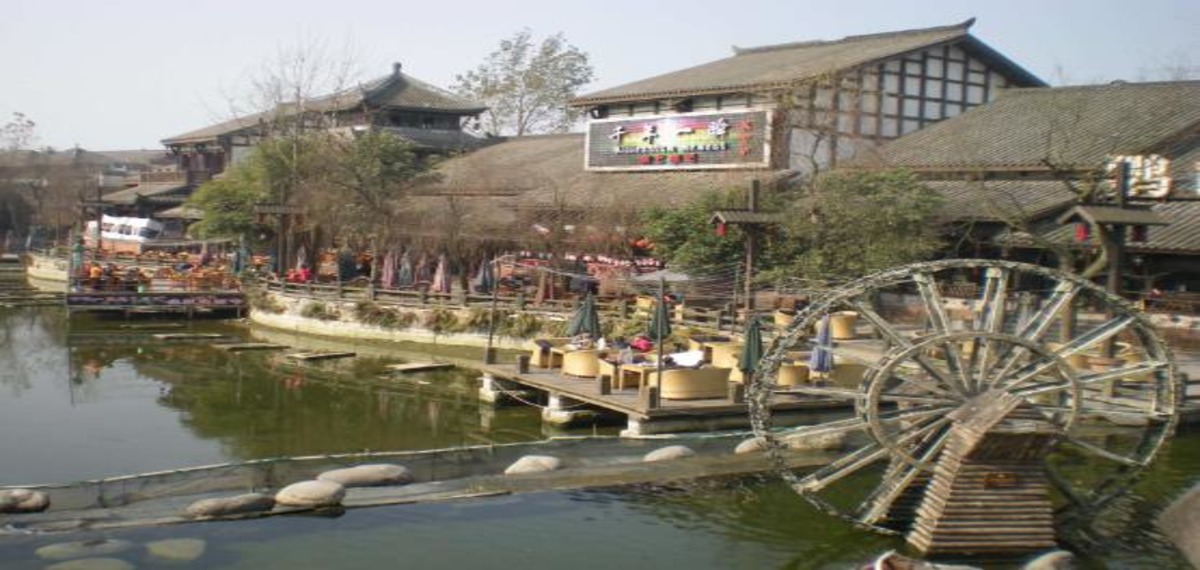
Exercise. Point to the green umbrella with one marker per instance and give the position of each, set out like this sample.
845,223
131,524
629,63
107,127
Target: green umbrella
752,350
660,322
585,319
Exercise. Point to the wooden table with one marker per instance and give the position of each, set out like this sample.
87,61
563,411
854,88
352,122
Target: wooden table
639,372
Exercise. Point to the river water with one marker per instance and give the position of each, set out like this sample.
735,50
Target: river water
91,399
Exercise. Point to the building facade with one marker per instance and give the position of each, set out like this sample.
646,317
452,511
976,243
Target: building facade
800,106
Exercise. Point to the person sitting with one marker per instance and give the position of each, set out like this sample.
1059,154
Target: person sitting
642,343
581,341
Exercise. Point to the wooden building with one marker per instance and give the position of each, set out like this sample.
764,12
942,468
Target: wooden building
767,113
1010,169
800,106
430,118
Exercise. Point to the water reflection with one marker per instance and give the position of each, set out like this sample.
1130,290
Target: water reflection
106,398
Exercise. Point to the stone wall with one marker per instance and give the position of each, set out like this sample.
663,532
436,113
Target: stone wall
348,328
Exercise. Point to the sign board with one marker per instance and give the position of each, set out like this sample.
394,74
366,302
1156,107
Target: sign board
687,141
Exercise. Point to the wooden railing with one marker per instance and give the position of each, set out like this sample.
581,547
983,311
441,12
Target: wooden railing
707,319
1184,303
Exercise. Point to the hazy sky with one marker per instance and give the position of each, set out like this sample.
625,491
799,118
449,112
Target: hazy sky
124,74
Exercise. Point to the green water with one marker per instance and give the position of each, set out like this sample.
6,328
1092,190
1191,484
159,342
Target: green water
97,399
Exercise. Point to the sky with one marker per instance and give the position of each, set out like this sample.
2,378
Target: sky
125,74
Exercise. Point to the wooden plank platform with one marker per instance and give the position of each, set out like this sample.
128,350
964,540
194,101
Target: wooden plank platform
419,366
241,346
308,356
187,336
628,401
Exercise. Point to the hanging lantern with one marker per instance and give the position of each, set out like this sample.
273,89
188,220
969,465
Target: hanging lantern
1082,232
721,229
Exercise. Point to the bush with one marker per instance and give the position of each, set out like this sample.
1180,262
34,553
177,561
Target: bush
320,311
442,321
260,300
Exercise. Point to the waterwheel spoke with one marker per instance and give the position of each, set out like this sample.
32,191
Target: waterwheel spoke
1101,452
989,318
898,477
1123,372
1092,337
1035,327
842,467
898,340
1065,488
868,454
939,321
855,423
848,394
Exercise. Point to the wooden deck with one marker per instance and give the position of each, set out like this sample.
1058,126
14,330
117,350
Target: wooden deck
630,402
185,302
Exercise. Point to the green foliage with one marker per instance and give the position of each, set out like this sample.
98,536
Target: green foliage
260,300
526,87
320,311
521,325
339,177
441,321
848,224
683,237
372,313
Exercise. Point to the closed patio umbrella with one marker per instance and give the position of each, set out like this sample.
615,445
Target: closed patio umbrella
485,278
752,349
388,270
441,276
660,322
404,273
821,360
585,319
421,275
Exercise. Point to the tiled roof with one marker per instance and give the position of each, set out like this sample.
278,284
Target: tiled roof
547,171
781,65
1068,126
438,139
1000,200
211,132
407,92
1180,235
396,90
129,196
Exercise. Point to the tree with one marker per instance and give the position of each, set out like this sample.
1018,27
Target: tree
18,133
354,181
683,238
527,86
847,224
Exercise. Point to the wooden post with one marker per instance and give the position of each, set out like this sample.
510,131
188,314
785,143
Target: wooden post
604,384
523,364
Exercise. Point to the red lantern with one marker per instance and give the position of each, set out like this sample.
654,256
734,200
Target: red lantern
1082,232
721,229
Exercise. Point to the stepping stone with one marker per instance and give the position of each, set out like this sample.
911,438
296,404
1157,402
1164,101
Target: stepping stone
319,355
418,366
240,346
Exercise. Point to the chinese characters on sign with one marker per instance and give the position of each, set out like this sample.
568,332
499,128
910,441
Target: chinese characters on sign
687,141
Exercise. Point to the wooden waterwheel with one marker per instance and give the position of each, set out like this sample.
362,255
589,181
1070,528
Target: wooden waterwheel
989,400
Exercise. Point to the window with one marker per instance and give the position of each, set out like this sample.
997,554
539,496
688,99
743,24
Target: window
911,126
935,67
933,88
974,94
933,110
954,70
912,107
954,91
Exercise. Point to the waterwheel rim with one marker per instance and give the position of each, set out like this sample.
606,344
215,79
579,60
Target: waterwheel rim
1008,352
